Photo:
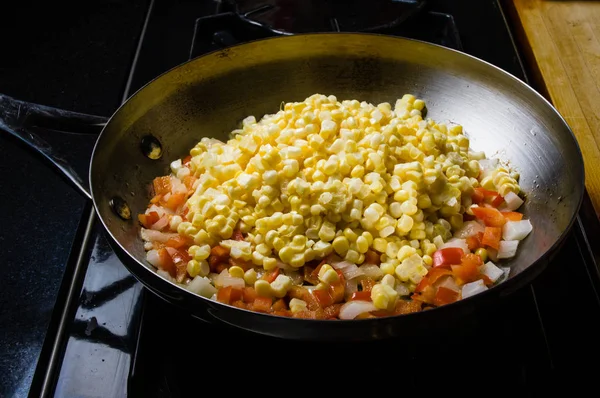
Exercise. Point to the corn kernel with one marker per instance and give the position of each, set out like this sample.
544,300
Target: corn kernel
263,288
236,271
269,263
327,274
388,280
250,276
384,296
297,305
280,285
341,245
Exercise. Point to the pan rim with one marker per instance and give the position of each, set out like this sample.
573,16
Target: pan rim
522,278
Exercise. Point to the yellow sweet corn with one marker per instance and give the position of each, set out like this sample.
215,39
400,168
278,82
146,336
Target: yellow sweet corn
324,176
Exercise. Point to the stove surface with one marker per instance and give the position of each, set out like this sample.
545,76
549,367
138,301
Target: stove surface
120,340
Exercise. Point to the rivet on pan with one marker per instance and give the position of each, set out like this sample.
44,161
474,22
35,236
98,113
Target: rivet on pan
120,207
151,147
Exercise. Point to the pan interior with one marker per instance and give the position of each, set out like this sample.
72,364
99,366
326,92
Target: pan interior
210,95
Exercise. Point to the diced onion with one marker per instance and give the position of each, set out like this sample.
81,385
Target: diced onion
512,201
471,289
151,235
153,258
371,271
455,242
352,309
490,270
487,167
470,228
224,280
164,274
160,224
177,186
516,230
349,269
508,248
448,282
201,286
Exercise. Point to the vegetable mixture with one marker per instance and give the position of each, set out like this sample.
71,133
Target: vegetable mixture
334,209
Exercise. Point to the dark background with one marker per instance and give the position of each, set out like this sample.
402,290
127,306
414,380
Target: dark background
76,56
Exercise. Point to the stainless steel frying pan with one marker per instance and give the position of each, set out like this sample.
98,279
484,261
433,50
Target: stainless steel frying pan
210,95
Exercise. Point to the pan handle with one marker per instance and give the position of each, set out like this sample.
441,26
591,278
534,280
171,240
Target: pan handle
26,121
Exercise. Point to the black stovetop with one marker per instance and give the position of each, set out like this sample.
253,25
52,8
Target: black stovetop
116,339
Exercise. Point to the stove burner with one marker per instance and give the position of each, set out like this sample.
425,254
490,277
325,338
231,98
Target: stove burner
292,16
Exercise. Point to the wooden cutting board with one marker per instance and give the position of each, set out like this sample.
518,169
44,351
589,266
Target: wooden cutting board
561,42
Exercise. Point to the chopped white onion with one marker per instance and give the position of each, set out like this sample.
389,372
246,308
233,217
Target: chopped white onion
153,258
455,242
224,280
470,228
471,289
507,249
349,269
176,165
165,275
161,223
512,202
159,210
177,186
201,286
352,309
371,271
487,167
516,230
448,282
151,235
490,270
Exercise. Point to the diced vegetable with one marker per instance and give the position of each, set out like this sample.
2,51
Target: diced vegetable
492,236
460,243
447,256
507,249
490,270
201,285
512,201
490,216
352,309
469,228
516,230
472,288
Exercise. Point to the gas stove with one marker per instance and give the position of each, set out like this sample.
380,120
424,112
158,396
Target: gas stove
109,337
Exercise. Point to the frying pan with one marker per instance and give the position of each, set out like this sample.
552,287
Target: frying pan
210,95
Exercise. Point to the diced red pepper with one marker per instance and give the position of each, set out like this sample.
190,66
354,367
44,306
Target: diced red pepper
162,185
229,294
147,220
323,297
362,296
372,257
445,296
175,200
262,304
490,216
237,235
492,237
279,305
512,215
218,255
166,262
468,271
270,276
367,284
447,257
249,294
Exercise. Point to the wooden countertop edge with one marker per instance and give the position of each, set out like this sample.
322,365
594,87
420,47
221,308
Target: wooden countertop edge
526,42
